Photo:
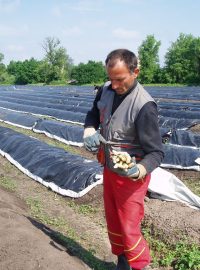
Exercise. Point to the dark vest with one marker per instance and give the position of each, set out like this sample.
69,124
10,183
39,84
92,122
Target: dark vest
119,128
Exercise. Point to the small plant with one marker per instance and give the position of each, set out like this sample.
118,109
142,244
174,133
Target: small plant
194,186
182,256
7,183
85,209
38,212
188,257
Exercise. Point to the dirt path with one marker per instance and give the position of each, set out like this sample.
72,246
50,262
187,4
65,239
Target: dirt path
27,244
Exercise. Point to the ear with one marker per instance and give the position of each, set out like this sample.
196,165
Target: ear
136,72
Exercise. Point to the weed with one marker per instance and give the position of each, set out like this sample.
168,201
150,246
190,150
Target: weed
38,212
194,186
182,256
8,183
85,209
187,257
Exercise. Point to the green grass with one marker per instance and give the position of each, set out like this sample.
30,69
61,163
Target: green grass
38,212
84,209
7,183
193,185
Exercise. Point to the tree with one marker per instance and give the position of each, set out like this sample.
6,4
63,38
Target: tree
25,71
90,73
2,66
182,60
57,64
5,78
149,59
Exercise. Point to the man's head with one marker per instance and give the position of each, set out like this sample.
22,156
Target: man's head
122,70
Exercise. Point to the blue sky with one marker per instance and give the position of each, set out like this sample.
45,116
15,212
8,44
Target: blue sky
90,29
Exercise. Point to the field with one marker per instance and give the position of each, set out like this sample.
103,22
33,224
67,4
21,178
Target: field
56,231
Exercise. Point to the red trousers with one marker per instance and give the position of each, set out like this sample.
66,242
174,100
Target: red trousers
124,210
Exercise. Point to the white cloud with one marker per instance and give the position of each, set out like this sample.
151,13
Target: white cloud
72,31
9,31
125,34
9,6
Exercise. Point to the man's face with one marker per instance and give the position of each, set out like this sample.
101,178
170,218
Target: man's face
121,78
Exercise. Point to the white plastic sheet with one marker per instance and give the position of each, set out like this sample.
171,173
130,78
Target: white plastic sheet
166,186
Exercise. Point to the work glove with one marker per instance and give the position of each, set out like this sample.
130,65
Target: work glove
132,172
135,171
142,172
91,139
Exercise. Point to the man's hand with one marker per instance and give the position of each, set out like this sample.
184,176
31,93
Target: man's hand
125,165
133,172
91,139
136,172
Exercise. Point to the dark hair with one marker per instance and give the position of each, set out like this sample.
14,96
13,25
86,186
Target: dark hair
128,57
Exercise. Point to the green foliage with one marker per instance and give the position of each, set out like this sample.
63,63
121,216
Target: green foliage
182,60
90,73
85,209
182,255
57,64
149,60
187,257
7,183
1,57
5,78
25,72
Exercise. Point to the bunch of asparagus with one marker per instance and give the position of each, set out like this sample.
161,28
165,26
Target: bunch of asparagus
122,160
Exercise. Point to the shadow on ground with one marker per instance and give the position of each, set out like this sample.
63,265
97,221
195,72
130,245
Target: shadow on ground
64,243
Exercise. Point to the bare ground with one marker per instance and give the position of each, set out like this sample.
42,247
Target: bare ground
26,243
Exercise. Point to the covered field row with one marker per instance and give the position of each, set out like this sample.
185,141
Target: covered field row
58,115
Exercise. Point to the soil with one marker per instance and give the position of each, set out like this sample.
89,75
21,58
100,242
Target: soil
27,243
24,242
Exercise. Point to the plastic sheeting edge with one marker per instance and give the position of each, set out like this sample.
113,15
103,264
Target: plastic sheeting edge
51,185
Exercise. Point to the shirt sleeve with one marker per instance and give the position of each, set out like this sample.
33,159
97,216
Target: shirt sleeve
149,136
93,116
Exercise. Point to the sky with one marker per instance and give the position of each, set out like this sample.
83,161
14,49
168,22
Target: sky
90,29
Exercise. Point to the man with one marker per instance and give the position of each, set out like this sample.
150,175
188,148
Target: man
128,120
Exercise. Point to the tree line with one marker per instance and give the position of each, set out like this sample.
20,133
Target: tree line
181,65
